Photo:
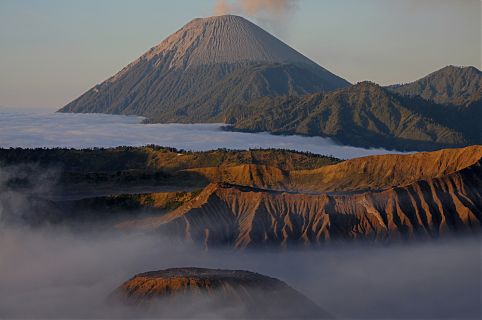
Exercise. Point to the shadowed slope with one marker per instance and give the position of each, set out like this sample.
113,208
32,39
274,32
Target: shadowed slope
365,115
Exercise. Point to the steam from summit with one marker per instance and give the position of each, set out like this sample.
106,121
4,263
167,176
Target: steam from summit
255,7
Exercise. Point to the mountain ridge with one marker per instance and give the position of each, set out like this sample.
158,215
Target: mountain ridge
364,115
372,173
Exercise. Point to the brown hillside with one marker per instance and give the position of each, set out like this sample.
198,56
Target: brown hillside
385,171
367,173
245,216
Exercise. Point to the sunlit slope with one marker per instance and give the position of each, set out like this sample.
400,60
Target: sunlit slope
367,173
445,198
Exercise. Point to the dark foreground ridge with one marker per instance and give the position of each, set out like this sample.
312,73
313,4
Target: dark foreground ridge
214,293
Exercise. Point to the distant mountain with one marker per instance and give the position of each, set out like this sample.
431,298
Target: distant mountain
200,293
459,86
365,115
206,66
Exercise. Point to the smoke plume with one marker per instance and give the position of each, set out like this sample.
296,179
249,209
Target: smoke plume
256,8
222,7
277,7
268,12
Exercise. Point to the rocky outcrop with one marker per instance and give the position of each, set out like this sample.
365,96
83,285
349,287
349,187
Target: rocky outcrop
199,292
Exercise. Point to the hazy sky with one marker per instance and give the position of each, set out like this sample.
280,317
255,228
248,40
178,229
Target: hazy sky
54,50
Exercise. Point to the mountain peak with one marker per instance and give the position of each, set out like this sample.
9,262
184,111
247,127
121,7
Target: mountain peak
454,71
457,68
366,87
451,85
225,17
366,84
223,39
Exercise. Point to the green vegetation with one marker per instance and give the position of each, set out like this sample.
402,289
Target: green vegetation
133,202
151,165
365,115
154,160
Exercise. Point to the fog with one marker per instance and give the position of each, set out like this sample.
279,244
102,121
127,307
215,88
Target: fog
41,129
58,272
54,273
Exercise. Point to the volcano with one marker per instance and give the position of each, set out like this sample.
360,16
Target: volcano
199,293
198,72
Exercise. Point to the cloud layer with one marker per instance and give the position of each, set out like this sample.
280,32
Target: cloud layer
49,130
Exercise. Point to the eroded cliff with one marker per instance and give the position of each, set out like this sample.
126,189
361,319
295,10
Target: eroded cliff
413,196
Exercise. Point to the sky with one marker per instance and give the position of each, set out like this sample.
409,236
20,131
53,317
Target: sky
54,50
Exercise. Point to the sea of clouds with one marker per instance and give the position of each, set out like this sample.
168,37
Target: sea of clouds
49,129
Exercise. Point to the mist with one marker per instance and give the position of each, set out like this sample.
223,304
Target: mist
49,130
58,272
54,273
272,14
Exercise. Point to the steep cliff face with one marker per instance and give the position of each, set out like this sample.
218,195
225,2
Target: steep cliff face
199,292
440,197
